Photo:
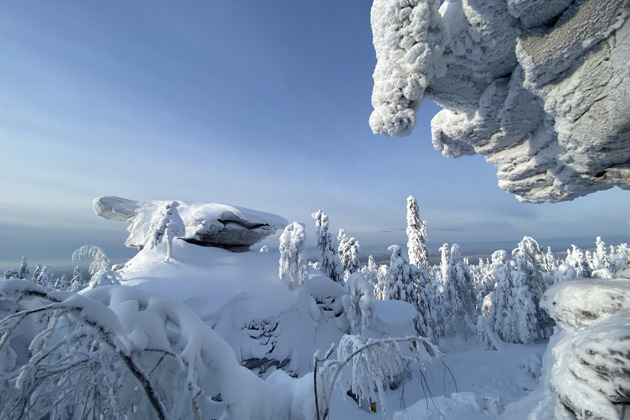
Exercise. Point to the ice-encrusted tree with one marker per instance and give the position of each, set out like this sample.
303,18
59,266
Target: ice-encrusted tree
36,272
77,282
367,366
600,258
358,304
416,235
62,283
513,311
370,271
100,261
577,259
457,296
399,284
348,251
174,227
119,352
527,259
165,224
380,288
293,263
407,283
43,277
23,272
329,263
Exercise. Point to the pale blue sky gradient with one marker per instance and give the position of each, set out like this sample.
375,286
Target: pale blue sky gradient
258,104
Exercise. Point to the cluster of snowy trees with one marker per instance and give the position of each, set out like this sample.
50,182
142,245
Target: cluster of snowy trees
497,299
42,276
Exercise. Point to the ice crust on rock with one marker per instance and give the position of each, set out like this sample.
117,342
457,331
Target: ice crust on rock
540,88
206,224
591,370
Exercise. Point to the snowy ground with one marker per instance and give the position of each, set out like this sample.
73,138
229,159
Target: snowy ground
228,290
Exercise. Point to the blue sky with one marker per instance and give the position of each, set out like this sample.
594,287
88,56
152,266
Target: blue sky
258,104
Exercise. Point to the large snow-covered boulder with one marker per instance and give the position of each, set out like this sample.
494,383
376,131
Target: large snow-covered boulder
540,88
591,372
207,224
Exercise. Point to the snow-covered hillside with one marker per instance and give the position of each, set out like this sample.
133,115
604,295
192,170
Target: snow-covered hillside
189,331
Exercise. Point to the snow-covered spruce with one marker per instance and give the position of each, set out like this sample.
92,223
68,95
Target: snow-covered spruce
293,265
329,262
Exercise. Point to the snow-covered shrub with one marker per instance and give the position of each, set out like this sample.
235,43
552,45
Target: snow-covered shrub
358,305
119,352
366,367
293,265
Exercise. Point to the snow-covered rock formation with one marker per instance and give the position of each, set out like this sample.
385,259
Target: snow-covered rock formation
206,224
540,88
591,372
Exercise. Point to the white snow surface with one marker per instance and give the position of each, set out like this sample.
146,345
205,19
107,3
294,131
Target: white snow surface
234,291
540,88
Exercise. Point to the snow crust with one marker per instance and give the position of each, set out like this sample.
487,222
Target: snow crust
541,89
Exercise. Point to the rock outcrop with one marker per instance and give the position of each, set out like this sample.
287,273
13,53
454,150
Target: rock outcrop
207,224
540,88
591,373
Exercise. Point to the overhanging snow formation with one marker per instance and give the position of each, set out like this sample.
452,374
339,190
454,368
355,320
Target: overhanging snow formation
206,224
540,88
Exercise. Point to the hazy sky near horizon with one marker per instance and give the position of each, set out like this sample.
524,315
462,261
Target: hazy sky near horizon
263,105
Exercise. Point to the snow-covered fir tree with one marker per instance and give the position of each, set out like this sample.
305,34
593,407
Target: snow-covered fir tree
43,277
77,282
577,259
399,285
23,272
527,258
62,283
457,301
407,283
370,271
329,263
416,235
380,288
348,251
600,256
36,272
550,262
522,314
293,263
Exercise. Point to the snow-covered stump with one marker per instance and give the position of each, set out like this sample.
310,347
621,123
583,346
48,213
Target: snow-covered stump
591,373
